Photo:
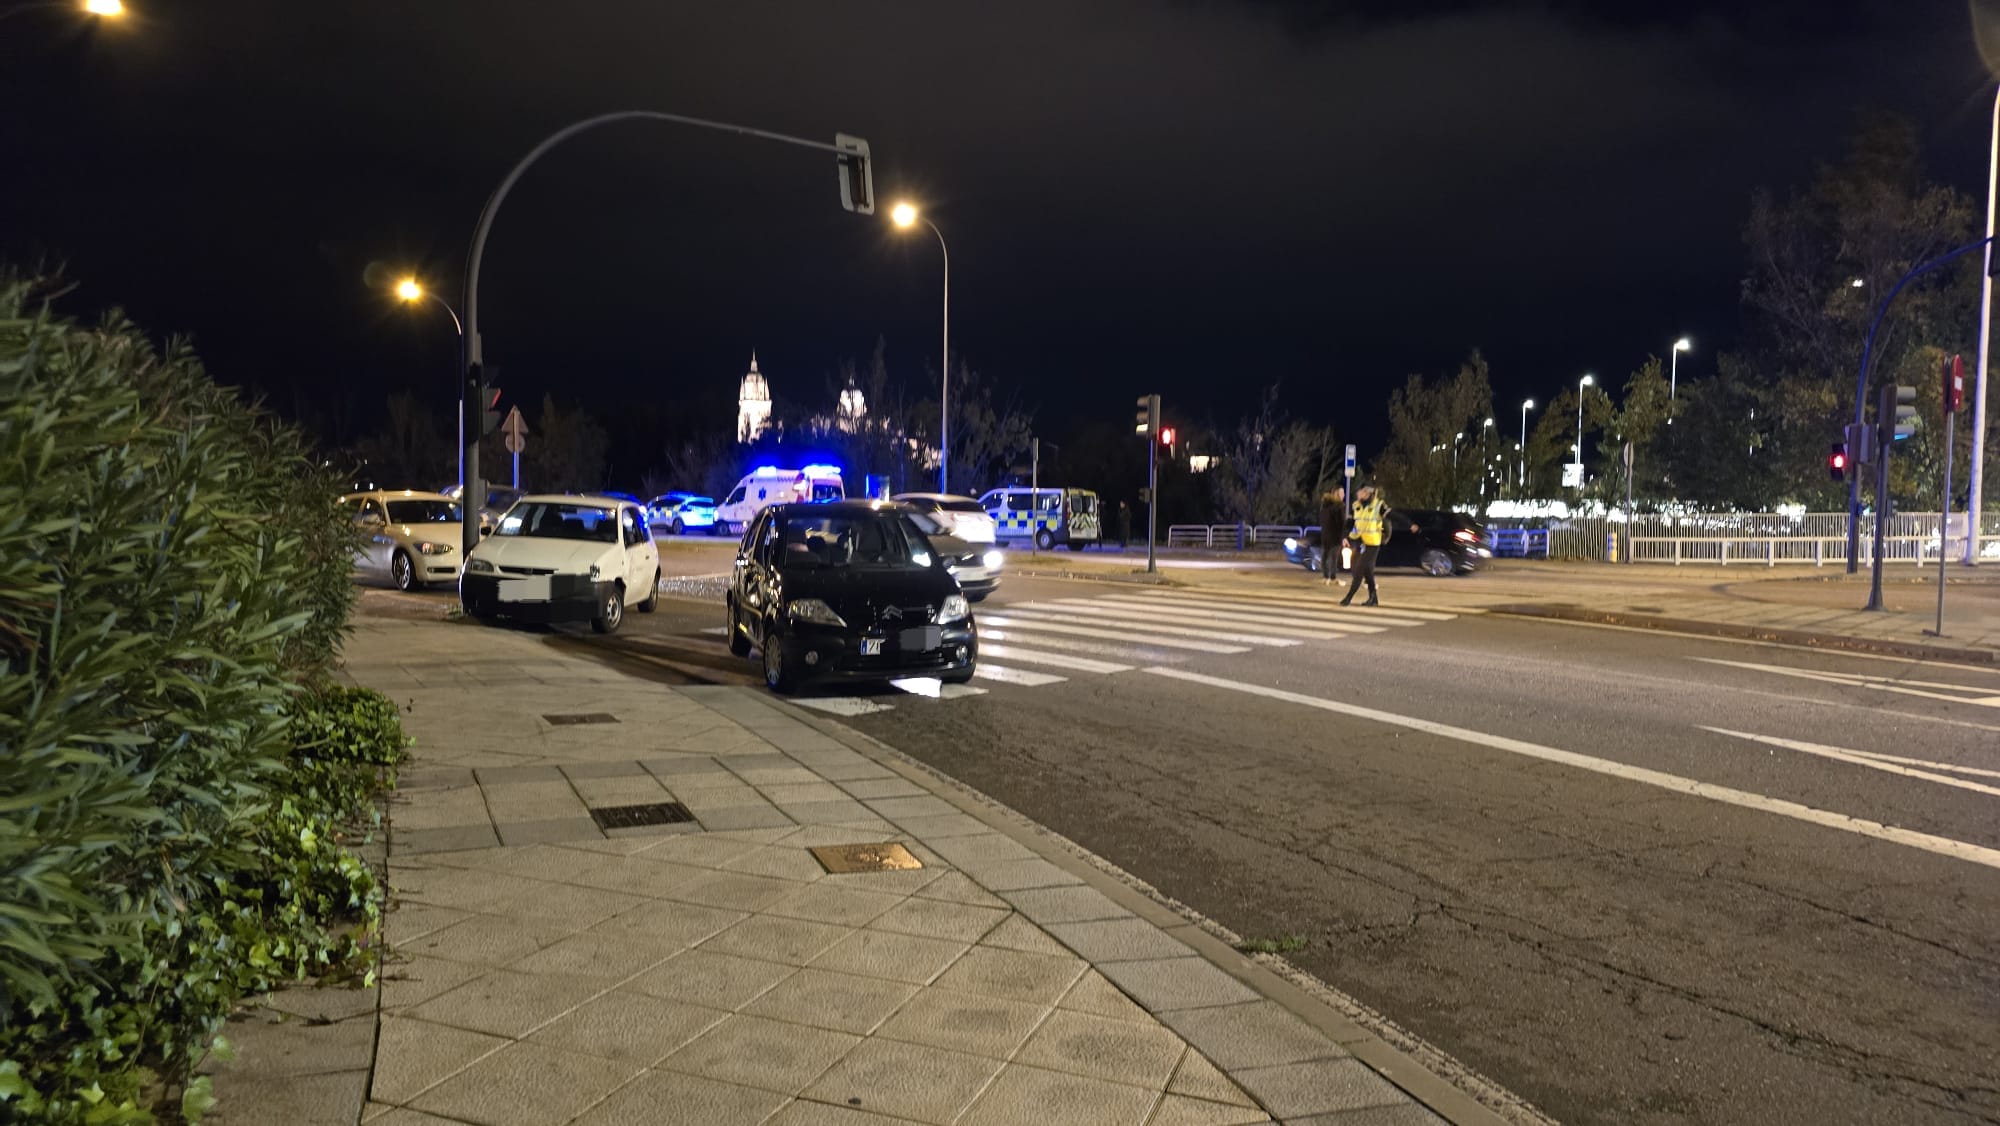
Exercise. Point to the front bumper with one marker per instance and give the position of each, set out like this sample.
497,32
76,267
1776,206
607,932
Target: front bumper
535,598
436,568
831,655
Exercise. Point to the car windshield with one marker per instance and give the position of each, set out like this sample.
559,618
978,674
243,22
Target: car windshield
699,502
423,512
548,520
855,541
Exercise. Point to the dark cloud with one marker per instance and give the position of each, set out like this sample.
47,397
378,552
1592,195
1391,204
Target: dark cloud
1186,195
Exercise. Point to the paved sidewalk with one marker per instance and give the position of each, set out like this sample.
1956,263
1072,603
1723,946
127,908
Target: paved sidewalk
548,970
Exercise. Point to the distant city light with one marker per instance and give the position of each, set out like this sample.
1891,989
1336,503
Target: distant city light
110,9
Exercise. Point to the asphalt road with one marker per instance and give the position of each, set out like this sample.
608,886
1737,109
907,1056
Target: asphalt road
1553,851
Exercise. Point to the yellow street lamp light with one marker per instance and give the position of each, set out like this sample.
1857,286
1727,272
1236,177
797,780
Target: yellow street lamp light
109,9
409,289
906,216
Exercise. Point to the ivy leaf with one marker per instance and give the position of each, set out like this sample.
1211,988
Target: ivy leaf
198,1099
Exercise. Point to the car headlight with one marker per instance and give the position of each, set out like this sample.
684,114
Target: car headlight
814,611
434,548
1291,544
481,567
993,559
955,609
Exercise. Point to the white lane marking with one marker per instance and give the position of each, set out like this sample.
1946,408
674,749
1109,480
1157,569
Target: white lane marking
1071,645
1148,623
842,705
1005,675
1842,754
1053,660
1309,601
1878,683
936,689
1274,615
1327,614
1268,627
1026,625
1943,846
1951,766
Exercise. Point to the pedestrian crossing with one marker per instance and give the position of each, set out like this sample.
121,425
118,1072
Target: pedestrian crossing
1039,643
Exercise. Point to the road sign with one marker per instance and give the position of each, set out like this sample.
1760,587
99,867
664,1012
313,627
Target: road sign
1954,384
516,430
1572,475
1348,469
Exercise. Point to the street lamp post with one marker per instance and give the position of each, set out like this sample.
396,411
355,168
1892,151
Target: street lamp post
410,291
1978,480
1674,369
1526,405
1586,381
475,350
905,215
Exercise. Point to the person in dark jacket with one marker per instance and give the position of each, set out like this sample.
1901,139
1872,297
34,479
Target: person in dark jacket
1124,525
1332,528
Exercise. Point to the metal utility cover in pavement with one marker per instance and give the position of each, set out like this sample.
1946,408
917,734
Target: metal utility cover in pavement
633,816
888,857
571,719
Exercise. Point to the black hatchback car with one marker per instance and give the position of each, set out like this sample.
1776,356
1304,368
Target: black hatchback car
851,590
1445,543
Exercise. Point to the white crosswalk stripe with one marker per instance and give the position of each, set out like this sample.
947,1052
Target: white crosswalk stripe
1005,675
1127,628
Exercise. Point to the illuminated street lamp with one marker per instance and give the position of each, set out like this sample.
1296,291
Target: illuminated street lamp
1526,406
1674,369
108,9
906,216
1586,381
102,9
410,291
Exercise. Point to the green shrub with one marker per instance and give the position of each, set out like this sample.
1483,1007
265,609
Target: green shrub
178,782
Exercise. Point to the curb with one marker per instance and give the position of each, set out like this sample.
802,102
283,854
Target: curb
1398,1056
1803,638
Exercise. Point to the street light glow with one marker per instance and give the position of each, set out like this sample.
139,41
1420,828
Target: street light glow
409,289
904,214
1857,283
1587,381
109,9
1528,405
1683,345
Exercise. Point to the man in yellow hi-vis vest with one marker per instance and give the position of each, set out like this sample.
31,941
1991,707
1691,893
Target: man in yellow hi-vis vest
1371,517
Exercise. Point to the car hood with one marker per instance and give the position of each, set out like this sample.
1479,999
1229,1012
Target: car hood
863,595
427,533
562,556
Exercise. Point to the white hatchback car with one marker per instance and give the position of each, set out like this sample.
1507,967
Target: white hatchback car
407,537
564,559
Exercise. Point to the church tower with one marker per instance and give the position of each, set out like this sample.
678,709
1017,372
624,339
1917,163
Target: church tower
753,404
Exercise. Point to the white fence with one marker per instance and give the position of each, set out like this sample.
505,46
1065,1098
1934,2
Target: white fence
1814,538
1225,535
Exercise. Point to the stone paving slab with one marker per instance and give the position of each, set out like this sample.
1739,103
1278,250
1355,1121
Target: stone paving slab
545,972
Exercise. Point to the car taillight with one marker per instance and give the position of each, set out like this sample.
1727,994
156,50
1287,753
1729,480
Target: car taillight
1465,536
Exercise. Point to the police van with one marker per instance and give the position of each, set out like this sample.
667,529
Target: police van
768,485
1046,516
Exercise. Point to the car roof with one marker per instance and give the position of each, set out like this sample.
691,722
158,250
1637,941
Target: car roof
576,498
398,494
932,496
843,507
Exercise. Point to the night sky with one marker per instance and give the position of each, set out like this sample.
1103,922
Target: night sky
1193,197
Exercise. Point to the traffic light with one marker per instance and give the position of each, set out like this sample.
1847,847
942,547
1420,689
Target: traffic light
1836,462
1149,416
1897,412
482,401
1166,435
857,174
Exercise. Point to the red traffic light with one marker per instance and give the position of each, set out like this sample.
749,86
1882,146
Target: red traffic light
1836,462
1166,435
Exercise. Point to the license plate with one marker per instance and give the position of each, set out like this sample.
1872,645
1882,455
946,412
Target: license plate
871,646
920,640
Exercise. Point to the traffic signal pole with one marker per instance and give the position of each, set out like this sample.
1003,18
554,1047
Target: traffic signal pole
1152,502
1885,439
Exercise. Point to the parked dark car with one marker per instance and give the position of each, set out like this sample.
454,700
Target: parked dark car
1445,543
848,590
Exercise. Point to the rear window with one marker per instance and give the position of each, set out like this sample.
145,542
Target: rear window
823,491
423,512
1083,505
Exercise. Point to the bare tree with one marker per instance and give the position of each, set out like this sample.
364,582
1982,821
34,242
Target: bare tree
1266,460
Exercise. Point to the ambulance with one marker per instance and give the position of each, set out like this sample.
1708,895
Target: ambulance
1046,516
768,485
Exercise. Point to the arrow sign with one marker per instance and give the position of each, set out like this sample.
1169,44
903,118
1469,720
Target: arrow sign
515,430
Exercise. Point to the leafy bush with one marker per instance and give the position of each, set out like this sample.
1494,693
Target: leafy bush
177,779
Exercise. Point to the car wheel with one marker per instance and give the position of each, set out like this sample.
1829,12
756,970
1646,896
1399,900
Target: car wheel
652,601
1045,540
402,572
1435,562
680,529
611,612
780,675
739,641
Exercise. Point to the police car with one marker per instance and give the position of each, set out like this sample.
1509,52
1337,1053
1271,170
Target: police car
1047,516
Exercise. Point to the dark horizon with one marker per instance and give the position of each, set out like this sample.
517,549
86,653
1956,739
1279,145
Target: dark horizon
1194,198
